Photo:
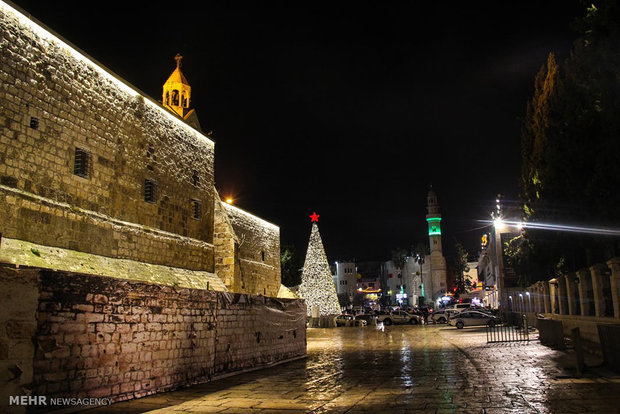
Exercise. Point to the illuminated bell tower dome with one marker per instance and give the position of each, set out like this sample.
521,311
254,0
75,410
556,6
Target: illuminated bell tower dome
177,93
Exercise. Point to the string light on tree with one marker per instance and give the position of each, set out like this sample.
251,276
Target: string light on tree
317,286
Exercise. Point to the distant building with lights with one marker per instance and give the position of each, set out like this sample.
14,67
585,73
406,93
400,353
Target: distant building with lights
346,278
402,287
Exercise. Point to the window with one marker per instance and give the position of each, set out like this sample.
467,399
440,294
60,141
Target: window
195,178
34,123
149,191
175,98
196,209
262,255
81,163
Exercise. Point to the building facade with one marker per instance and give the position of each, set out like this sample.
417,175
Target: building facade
346,278
91,165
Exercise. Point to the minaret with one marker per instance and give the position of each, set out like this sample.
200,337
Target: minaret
177,91
435,278
434,222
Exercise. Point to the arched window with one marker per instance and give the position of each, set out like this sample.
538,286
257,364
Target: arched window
167,98
183,100
175,98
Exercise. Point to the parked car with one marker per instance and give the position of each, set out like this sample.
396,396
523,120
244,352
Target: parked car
473,318
443,315
348,320
460,306
399,317
365,317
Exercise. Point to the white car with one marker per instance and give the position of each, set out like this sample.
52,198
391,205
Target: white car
473,318
443,316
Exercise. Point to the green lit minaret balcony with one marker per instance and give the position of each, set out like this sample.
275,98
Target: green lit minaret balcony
434,226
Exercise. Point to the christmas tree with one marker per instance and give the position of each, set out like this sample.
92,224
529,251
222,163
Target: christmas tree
317,286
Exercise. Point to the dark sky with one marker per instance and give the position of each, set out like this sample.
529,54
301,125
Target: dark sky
341,108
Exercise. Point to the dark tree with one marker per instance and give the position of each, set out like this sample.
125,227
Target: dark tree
290,265
459,264
570,150
345,300
399,258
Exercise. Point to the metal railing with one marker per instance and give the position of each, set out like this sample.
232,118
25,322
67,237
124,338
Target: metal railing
513,329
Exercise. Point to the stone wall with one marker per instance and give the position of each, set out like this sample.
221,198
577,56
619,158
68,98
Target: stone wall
226,244
103,337
19,296
76,148
258,253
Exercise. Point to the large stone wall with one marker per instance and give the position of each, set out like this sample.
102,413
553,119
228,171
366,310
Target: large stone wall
54,101
103,337
258,247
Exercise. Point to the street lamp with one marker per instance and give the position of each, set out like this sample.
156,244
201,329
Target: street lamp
498,227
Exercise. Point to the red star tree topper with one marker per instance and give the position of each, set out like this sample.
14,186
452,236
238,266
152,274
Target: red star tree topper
314,217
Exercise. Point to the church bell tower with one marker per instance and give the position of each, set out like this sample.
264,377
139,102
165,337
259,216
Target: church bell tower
177,93
177,90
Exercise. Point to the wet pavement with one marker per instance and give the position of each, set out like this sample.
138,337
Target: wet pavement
401,369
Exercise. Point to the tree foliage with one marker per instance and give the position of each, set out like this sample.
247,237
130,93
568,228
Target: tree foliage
399,258
290,266
460,266
570,150
345,300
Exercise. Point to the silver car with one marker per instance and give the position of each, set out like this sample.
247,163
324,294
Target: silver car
473,318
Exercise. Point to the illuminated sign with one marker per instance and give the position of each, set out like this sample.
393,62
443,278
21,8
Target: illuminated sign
485,240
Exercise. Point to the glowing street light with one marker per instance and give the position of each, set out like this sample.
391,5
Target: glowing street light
229,200
498,223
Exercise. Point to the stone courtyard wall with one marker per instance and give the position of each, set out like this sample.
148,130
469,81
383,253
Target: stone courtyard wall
75,335
56,106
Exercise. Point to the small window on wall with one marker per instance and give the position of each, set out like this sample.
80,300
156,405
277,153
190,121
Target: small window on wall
150,189
196,209
34,123
195,178
262,255
81,163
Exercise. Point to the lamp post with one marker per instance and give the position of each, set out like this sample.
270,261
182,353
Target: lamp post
498,226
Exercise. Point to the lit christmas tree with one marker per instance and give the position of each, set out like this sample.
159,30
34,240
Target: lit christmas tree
317,286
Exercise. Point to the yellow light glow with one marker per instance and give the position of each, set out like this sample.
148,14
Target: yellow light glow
229,200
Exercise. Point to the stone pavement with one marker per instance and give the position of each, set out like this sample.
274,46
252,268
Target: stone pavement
400,369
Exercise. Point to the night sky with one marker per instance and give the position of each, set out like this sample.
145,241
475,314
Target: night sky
348,110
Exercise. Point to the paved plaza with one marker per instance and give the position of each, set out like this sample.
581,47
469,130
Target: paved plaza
401,369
